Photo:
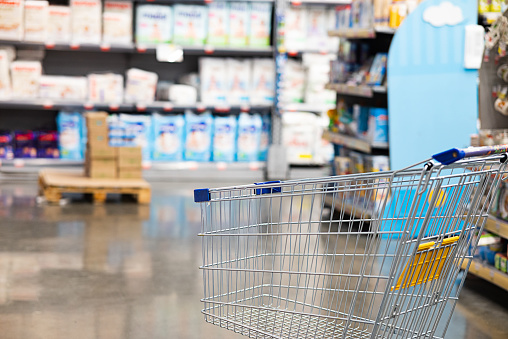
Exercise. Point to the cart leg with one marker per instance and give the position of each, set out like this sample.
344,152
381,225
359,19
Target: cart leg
144,196
99,197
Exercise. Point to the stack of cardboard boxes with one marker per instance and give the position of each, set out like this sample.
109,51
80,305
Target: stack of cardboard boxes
104,161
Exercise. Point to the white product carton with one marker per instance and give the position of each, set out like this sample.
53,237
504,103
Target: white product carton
293,84
105,88
36,20
333,41
59,27
260,24
117,22
86,21
154,24
218,23
183,94
5,77
239,23
317,70
116,28
238,81
317,35
212,72
299,130
296,28
190,24
63,88
25,78
263,82
11,19
11,52
140,86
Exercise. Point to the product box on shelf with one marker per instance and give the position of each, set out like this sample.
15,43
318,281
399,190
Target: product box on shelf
11,17
101,151
249,135
260,24
5,76
105,88
198,136
47,145
154,24
190,24
296,29
86,23
169,137
25,78
96,122
63,88
59,24
299,136
263,82
317,35
500,262
378,69
70,135
6,142
264,140
293,84
238,81
218,23
140,86
239,23
24,144
138,132
212,73
224,138
36,20
117,22
378,125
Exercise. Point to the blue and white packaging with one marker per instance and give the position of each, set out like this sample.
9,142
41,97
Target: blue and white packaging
191,24
224,137
138,132
154,24
198,136
264,142
168,133
249,135
213,77
218,23
238,81
69,135
239,23
378,125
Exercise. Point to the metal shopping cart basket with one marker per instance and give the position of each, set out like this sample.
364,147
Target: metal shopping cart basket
383,262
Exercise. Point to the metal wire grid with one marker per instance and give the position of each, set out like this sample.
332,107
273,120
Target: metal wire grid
276,266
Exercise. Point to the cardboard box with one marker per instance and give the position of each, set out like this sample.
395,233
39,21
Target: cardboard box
129,152
130,173
97,138
96,120
129,162
100,151
101,168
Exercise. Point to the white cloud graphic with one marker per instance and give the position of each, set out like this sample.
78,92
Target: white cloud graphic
443,14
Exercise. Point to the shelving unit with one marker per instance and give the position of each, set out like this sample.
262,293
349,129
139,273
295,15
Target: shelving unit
487,272
360,91
366,33
352,210
352,143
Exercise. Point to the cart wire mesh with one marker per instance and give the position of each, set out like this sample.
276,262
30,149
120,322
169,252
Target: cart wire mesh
374,255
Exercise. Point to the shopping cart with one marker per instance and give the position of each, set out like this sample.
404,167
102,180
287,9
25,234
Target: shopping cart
375,255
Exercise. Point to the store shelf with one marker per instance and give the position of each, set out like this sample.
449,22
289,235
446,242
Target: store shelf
351,142
304,107
143,48
355,211
364,33
320,2
359,91
497,226
487,272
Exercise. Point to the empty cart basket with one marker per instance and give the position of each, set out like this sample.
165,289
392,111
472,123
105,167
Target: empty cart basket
373,255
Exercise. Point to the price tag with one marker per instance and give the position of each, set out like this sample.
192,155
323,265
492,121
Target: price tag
245,108
105,47
169,53
88,105
222,108
292,53
114,107
253,166
193,166
167,107
141,48
74,46
221,166
141,107
200,107
209,49
19,163
48,104
296,2
492,273
477,266
50,45
146,165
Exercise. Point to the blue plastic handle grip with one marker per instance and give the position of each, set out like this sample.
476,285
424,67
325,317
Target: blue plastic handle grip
455,154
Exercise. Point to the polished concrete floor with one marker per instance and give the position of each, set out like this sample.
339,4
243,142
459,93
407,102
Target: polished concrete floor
127,271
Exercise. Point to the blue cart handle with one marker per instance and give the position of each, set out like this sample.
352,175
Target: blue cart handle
450,156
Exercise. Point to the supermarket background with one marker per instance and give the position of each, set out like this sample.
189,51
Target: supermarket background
218,93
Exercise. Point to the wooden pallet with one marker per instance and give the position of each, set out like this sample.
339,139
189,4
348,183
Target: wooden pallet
54,183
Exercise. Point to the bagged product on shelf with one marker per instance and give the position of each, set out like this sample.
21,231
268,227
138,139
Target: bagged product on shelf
154,24
36,20
190,24
198,136
264,140
239,23
25,78
260,24
6,145
63,88
317,35
24,144
86,21
117,22
249,135
138,132
218,23
212,73
332,41
380,163
168,133
317,70
11,20
378,70
296,29
105,88
47,145
378,125
182,94
299,132
59,24
263,82
10,50
5,76
224,137
140,86
293,84
238,81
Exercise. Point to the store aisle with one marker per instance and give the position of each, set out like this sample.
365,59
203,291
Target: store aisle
130,271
